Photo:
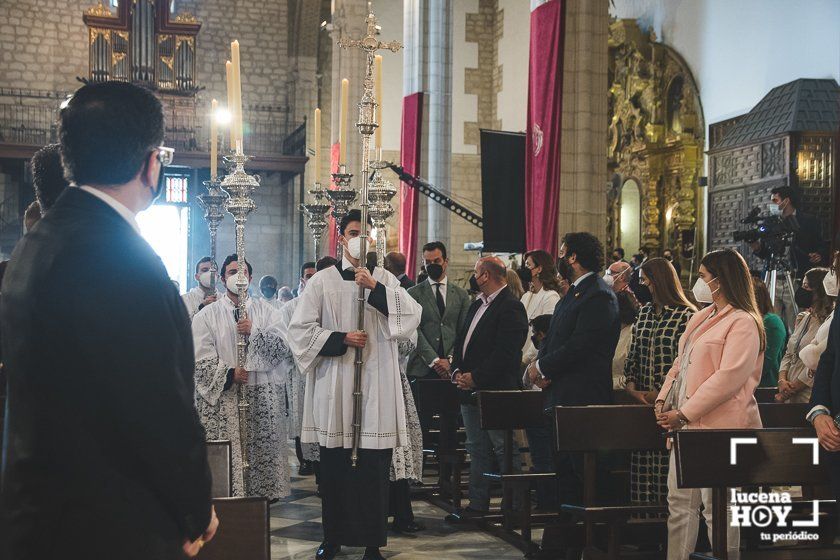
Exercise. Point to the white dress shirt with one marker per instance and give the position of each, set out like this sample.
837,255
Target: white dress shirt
118,206
442,283
479,313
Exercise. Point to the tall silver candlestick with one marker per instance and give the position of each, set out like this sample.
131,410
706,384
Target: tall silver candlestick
341,198
240,186
316,216
380,193
213,203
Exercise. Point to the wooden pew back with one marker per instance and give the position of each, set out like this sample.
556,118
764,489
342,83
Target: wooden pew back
243,530
219,458
608,428
703,458
784,415
511,410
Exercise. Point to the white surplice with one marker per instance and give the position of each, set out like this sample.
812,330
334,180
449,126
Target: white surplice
193,299
329,305
214,336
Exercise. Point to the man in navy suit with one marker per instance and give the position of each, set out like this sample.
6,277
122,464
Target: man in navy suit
575,360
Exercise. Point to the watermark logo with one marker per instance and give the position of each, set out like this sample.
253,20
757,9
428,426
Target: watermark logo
774,508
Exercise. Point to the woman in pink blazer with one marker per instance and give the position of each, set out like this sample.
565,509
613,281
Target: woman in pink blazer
712,382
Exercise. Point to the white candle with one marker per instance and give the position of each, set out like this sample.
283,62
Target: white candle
229,76
342,122
237,91
214,140
317,125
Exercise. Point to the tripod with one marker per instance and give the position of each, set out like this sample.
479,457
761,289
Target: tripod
775,263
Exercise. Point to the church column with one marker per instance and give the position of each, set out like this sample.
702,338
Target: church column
439,90
583,176
428,68
348,21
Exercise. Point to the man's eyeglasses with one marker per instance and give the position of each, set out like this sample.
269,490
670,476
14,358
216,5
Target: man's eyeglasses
165,155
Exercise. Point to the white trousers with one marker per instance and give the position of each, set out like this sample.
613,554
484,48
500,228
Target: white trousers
684,519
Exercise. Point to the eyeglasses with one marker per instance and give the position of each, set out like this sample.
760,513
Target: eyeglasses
165,155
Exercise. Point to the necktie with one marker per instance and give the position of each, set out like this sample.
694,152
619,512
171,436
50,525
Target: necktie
439,298
441,308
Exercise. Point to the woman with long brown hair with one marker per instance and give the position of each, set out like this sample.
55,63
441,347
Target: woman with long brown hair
653,350
711,383
795,377
542,297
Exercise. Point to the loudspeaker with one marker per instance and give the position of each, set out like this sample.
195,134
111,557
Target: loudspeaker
503,190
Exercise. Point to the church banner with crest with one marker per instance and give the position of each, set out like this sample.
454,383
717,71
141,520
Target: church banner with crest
410,145
542,143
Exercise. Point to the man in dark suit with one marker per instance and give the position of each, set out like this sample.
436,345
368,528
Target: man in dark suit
104,453
574,363
395,264
808,249
487,355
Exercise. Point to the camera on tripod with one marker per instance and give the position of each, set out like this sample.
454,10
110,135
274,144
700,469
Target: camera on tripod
774,232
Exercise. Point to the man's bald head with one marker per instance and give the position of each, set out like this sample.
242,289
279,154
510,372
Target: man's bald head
395,263
493,266
621,272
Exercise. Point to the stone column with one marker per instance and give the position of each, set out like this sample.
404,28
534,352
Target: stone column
428,67
583,172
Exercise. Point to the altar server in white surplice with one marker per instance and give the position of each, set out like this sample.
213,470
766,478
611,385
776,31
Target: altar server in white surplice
217,381
323,337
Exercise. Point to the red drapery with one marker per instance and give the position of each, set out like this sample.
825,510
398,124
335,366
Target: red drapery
410,144
542,142
331,225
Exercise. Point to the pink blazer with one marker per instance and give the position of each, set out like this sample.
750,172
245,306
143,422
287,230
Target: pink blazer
724,370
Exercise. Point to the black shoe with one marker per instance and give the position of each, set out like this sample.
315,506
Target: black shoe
306,469
465,514
327,551
410,527
372,553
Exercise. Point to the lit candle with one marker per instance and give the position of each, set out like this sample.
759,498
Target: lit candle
214,139
342,122
377,61
237,92
231,125
317,126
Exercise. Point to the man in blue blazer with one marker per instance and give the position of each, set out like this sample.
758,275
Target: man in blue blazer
575,360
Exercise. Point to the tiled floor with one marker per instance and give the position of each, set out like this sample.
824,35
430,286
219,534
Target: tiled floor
296,532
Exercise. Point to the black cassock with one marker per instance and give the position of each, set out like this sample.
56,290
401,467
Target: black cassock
104,456
355,499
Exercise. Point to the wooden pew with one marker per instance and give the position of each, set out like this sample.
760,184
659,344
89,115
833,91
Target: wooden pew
243,530
766,394
703,461
219,458
509,411
784,415
593,429
438,399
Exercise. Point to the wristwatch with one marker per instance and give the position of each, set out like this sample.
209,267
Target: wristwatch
682,419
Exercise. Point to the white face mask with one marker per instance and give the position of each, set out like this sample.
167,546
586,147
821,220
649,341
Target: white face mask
354,247
204,278
231,284
774,210
608,279
702,292
830,284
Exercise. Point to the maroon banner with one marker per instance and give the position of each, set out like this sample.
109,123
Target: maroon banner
332,238
542,141
410,144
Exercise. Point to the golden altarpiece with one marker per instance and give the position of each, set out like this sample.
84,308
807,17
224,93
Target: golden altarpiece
655,154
